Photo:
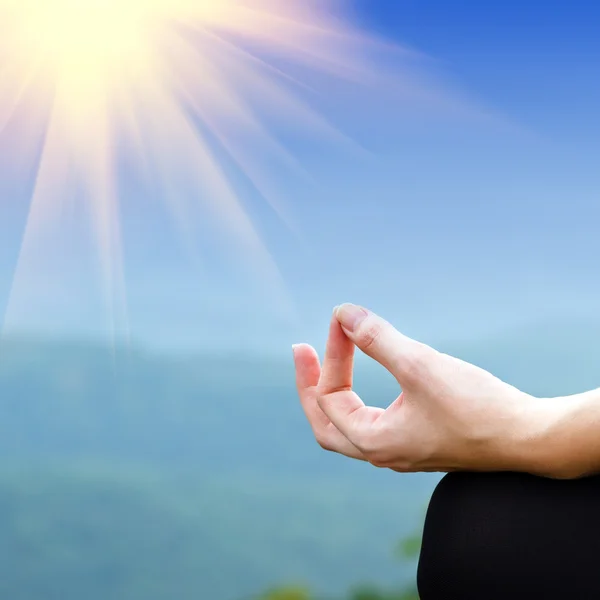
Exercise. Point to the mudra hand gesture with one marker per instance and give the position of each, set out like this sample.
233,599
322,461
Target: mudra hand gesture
450,415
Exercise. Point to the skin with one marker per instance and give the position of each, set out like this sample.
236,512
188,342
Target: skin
450,415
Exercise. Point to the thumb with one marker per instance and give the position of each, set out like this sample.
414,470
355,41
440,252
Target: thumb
402,356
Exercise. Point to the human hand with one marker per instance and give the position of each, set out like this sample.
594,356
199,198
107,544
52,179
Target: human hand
450,415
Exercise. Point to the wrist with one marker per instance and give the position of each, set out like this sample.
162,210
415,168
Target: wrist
519,440
558,436
523,444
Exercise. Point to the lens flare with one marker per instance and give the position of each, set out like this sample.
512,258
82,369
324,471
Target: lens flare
174,86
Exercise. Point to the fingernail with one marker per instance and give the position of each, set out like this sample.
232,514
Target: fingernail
350,316
294,346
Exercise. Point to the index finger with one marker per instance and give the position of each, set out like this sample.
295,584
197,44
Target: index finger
338,362
335,397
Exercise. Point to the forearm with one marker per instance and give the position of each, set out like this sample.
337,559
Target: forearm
565,440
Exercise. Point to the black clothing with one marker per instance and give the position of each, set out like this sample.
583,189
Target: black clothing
511,536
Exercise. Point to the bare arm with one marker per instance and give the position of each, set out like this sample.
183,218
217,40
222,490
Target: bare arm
568,447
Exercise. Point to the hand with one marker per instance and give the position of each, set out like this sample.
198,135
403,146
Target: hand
450,415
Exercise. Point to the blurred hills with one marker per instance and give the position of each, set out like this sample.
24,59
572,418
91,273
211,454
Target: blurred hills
133,475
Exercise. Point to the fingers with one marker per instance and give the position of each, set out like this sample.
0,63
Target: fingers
351,417
335,396
403,357
338,363
343,407
340,420
308,372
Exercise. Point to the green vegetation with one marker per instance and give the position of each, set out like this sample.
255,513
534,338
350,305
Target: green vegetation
359,593
408,550
362,592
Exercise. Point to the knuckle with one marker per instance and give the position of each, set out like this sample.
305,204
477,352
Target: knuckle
324,441
408,466
373,442
369,333
367,444
379,459
404,466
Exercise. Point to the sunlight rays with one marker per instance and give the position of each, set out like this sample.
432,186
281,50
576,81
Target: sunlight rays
178,83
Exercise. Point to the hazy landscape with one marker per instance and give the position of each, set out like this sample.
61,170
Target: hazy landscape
139,476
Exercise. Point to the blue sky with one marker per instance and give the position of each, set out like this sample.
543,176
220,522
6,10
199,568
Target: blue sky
459,217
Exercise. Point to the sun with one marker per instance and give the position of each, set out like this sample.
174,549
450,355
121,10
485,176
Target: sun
79,43
85,45
179,84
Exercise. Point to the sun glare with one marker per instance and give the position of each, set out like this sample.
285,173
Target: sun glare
85,44
82,42
167,79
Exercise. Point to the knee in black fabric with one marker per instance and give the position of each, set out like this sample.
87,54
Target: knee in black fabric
511,536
